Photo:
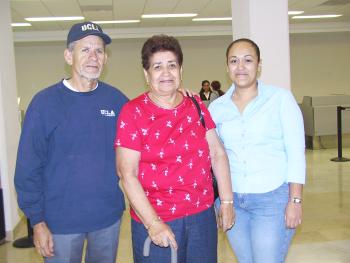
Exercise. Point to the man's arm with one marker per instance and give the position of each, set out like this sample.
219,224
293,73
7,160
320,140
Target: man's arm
30,165
31,161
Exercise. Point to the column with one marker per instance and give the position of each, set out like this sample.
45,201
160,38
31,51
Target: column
266,23
9,119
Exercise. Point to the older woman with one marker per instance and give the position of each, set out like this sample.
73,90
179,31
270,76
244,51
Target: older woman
164,157
262,130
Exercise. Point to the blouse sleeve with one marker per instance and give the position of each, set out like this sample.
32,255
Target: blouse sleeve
128,134
294,140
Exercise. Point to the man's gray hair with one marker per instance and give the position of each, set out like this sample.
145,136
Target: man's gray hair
71,46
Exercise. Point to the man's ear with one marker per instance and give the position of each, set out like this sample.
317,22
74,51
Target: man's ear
106,59
68,56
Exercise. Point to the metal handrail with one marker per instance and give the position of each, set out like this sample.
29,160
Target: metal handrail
147,247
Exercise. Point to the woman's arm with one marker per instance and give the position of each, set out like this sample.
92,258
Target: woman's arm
293,135
127,169
220,165
293,214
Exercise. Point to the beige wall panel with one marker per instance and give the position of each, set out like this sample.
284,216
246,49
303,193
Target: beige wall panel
40,65
319,64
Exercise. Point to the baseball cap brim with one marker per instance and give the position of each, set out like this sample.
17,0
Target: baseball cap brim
104,36
81,30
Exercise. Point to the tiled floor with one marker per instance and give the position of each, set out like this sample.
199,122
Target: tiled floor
324,236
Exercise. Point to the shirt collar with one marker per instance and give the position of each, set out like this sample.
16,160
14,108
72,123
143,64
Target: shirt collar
230,91
69,86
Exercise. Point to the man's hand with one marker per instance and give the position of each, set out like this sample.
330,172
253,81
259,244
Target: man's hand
43,240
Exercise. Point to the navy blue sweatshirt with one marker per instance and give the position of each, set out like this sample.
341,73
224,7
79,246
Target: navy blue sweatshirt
65,172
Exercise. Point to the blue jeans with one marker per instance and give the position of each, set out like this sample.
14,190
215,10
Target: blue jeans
101,246
196,236
260,234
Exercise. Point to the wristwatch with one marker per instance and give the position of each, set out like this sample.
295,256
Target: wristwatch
296,200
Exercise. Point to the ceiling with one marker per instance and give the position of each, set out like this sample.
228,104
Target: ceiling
95,10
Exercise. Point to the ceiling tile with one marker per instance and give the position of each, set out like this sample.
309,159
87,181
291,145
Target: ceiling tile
94,2
131,9
153,22
217,8
126,9
98,15
194,6
16,17
30,8
159,7
63,7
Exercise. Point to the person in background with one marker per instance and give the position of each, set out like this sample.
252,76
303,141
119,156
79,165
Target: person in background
216,86
65,172
206,94
261,127
164,157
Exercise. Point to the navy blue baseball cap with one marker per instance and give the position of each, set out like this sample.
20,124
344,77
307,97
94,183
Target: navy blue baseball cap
81,30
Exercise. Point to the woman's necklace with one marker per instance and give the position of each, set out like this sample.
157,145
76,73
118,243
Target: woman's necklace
164,104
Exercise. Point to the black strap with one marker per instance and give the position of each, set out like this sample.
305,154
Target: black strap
201,118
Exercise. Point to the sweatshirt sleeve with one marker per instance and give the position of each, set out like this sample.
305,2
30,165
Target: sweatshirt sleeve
31,160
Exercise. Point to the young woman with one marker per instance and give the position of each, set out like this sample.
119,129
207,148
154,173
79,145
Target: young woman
261,127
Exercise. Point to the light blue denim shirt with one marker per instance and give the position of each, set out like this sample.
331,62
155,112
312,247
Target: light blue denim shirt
265,144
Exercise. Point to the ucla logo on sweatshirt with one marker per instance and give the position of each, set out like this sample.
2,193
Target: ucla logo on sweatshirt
107,113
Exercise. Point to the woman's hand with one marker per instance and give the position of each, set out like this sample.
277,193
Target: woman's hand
186,92
226,216
293,215
294,211
162,235
128,166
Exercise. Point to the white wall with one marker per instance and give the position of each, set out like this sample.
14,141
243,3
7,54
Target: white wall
42,64
319,64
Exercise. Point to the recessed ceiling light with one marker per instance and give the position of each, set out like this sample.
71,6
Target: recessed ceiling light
52,18
168,15
117,22
212,19
20,24
295,12
315,16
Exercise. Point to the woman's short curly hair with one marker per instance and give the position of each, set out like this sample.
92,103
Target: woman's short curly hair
160,43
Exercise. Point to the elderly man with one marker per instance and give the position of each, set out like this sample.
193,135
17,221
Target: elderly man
65,174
